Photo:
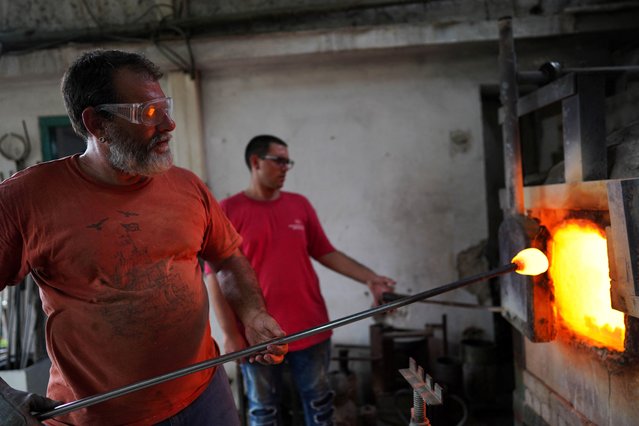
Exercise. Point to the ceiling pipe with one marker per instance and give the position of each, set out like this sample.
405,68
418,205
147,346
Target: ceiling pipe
551,71
31,39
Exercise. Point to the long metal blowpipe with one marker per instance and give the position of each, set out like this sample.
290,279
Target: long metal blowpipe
389,297
517,265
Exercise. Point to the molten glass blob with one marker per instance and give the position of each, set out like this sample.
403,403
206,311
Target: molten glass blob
579,271
530,261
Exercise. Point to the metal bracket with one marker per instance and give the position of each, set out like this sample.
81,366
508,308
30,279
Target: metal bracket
431,393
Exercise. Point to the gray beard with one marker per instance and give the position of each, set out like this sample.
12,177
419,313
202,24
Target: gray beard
134,158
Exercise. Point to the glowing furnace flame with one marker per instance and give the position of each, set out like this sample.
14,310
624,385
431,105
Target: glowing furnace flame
530,261
579,270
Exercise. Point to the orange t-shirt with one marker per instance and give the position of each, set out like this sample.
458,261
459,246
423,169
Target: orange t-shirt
120,282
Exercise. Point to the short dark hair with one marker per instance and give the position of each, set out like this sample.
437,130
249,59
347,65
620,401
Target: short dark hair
259,146
89,81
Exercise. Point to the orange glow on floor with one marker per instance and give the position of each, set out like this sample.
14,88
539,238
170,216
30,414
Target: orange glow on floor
579,271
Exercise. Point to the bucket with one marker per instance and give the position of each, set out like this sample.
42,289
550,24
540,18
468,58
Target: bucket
447,372
479,370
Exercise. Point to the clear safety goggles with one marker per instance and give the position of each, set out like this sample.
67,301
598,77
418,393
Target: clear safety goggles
149,113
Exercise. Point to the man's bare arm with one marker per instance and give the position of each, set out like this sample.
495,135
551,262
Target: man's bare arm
346,265
240,288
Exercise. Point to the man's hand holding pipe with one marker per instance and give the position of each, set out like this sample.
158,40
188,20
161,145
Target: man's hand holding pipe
378,285
16,406
262,328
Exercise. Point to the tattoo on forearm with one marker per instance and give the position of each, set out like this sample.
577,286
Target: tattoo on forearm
240,287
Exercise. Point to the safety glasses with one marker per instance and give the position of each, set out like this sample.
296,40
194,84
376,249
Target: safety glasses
280,161
149,113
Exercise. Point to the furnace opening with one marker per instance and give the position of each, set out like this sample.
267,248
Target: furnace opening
579,271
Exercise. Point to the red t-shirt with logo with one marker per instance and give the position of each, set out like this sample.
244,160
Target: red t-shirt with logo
120,282
279,238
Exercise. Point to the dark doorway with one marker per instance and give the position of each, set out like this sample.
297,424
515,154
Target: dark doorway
58,138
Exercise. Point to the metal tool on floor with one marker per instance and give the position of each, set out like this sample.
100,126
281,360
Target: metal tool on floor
525,262
425,393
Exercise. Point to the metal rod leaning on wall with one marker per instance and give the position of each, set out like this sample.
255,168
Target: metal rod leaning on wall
95,399
389,297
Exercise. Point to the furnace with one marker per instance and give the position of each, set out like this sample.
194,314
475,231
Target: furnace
576,326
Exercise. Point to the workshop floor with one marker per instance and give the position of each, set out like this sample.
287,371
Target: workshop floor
395,411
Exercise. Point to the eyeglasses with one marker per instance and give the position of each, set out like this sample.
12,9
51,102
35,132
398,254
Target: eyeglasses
149,113
280,161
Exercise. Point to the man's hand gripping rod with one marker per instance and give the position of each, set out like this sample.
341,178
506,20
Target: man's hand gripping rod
520,263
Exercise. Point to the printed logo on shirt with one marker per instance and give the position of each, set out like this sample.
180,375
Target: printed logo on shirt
297,225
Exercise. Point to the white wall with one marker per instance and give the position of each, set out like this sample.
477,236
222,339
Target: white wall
27,100
371,142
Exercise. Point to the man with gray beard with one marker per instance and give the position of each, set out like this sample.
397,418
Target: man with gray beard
130,157
112,237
